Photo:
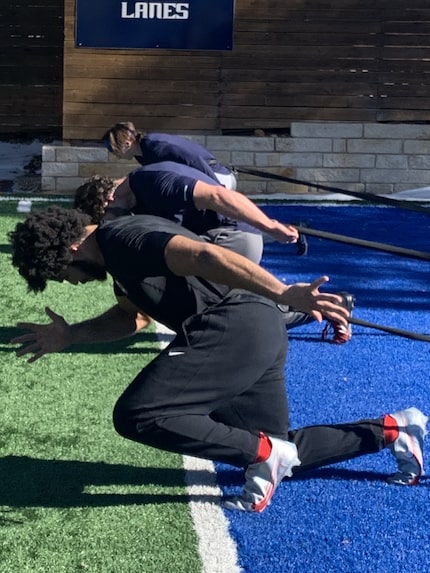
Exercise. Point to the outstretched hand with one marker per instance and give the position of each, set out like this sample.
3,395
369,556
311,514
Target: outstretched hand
43,338
307,298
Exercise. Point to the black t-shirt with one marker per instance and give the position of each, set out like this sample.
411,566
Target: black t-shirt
133,250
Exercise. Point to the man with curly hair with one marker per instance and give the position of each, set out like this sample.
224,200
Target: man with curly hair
93,197
221,216
218,390
189,197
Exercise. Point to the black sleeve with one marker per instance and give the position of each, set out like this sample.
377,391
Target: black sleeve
152,248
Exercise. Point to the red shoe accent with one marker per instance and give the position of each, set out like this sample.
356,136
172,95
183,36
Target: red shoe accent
391,429
264,449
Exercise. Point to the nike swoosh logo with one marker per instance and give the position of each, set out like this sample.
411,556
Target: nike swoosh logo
175,353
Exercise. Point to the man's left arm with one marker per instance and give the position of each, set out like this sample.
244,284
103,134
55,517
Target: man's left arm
238,207
186,257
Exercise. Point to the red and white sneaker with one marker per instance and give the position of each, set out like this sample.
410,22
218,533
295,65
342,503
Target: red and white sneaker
262,479
408,447
341,334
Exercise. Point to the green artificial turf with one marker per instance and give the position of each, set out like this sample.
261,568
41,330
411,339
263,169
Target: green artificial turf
75,496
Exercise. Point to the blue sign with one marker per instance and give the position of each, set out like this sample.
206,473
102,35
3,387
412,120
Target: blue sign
190,25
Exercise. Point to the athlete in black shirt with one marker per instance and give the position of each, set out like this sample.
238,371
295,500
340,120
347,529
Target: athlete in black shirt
218,390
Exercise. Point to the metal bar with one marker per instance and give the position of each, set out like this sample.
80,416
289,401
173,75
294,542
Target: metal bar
390,329
410,253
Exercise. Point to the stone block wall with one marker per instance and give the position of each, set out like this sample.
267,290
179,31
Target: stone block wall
371,158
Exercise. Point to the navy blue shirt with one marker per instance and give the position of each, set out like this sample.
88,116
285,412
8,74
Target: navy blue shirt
133,250
166,189
158,147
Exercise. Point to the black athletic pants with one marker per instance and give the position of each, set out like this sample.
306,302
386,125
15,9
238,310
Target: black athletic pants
220,383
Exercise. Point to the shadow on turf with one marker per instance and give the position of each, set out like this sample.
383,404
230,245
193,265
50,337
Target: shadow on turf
6,249
29,482
128,345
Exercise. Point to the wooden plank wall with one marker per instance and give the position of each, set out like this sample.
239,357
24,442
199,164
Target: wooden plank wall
31,66
336,60
339,60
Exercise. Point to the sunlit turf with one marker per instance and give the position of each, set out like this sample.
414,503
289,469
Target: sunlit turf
74,496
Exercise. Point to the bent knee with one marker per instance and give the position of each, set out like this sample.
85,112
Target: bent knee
130,425
121,422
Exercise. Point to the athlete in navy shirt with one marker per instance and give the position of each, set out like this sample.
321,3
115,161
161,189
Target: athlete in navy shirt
184,195
188,196
167,189
126,142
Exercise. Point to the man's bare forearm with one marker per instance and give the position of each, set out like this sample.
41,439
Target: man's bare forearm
236,206
118,322
114,324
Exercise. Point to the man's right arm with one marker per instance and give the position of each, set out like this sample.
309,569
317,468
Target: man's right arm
187,257
120,321
237,206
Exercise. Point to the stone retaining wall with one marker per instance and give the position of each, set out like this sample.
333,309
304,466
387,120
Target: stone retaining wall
372,158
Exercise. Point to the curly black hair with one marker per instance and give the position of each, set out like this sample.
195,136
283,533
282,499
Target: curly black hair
40,244
93,195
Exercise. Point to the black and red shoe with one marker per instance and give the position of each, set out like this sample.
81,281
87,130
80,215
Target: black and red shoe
340,334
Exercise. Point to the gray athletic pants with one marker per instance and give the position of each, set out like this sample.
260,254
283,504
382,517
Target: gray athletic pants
227,179
220,383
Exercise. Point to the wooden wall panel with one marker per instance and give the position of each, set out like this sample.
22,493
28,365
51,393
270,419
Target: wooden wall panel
31,67
292,60
335,60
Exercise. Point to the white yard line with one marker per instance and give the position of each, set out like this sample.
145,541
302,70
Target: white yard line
217,549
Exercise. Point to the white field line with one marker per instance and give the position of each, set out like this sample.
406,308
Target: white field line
217,549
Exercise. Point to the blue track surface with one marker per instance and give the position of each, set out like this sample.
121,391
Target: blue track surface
345,518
